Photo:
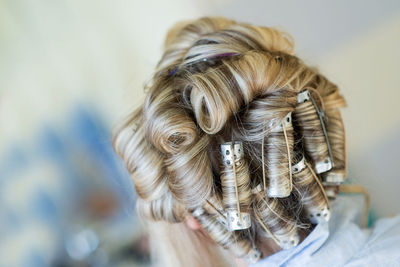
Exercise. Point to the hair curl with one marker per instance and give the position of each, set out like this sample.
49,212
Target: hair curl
218,81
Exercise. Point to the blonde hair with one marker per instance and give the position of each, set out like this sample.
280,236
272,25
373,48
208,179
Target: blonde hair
223,81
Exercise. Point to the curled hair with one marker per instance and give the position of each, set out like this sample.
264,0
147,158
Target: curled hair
337,138
276,222
310,127
228,186
219,81
310,193
279,154
237,242
236,186
190,172
143,161
165,208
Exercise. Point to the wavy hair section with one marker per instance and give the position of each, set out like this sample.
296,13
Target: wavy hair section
217,81
311,194
337,138
276,222
143,161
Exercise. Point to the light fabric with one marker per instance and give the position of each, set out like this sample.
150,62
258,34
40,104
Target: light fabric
343,242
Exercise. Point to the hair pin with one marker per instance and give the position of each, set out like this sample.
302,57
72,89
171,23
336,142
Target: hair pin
220,213
172,72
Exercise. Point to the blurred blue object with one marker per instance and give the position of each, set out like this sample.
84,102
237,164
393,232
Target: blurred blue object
66,197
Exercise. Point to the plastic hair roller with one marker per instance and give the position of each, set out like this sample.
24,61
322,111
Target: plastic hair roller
279,148
316,205
235,181
307,115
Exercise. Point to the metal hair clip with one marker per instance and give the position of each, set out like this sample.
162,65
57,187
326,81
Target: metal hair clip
257,189
323,166
303,96
286,121
198,211
298,167
235,222
253,256
317,216
231,153
331,192
327,163
333,178
291,241
232,156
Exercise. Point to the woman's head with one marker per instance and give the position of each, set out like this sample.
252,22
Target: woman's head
237,133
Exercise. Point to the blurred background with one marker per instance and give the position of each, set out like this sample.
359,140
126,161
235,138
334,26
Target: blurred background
70,70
